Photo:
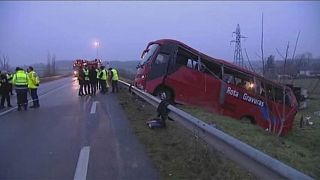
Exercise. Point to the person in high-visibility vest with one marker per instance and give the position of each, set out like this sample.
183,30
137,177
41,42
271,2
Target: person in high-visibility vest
114,79
98,78
33,85
103,79
20,81
86,80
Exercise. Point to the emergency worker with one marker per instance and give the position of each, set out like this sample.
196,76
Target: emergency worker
86,80
98,78
103,80
20,81
4,90
114,76
33,85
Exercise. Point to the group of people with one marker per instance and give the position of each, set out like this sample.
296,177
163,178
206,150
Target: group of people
93,79
23,82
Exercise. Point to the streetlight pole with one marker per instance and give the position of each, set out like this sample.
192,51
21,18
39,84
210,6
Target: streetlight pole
96,45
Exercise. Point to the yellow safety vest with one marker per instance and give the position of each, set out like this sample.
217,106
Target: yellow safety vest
98,73
34,81
115,76
20,79
86,74
104,75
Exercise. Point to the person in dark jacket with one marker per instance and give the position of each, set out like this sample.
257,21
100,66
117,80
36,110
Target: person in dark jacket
93,80
5,90
81,81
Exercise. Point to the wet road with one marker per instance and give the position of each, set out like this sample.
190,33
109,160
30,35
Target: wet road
71,137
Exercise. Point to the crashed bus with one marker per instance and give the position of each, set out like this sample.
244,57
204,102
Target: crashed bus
178,73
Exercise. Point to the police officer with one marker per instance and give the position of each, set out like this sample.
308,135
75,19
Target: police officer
114,79
33,85
86,80
20,81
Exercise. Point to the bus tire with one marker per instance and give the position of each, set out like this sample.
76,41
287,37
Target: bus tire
247,120
165,94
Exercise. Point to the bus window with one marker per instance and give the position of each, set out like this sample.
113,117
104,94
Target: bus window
148,53
211,68
242,80
187,59
162,59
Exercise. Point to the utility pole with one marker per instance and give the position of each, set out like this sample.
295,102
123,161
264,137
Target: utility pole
238,57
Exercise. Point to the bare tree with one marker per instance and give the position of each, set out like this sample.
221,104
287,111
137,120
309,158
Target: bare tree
51,65
4,62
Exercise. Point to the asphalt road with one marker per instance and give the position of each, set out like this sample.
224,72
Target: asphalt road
71,137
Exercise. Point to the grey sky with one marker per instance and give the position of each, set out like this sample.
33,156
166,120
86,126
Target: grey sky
30,29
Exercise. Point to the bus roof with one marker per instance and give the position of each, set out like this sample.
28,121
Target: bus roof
220,61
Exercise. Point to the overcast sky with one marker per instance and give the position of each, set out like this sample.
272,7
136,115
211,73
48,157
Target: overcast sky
29,30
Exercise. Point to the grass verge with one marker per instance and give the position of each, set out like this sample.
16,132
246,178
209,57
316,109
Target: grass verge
174,150
299,149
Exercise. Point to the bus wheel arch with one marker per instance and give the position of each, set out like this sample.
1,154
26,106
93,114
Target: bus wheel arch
248,119
165,92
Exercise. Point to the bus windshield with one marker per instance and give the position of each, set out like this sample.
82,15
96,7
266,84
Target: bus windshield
149,53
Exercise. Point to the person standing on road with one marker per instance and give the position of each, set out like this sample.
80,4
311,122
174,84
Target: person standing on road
93,80
33,85
20,81
98,78
114,79
4,90
9,77
103,80
86,80
81,81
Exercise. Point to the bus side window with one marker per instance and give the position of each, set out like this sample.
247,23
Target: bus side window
162,59
211,68
186,59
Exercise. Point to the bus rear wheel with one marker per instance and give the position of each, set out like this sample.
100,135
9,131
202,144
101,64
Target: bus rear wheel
165,94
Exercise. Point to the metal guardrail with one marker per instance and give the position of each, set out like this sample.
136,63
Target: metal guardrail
255,161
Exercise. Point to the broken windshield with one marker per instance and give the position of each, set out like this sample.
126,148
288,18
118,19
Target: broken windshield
149,53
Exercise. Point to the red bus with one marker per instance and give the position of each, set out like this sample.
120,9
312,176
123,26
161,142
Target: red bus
176,72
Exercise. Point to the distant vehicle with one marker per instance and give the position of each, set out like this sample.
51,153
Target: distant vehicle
80,63
178,73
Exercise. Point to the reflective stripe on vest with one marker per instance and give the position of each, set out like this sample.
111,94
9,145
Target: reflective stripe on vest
21,78
114,75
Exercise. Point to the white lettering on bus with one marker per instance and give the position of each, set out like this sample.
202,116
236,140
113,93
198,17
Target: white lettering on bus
245,97
252,100
232,92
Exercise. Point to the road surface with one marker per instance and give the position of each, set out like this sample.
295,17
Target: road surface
71,137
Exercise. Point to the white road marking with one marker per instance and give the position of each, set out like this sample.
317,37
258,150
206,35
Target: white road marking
93,107
82,165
